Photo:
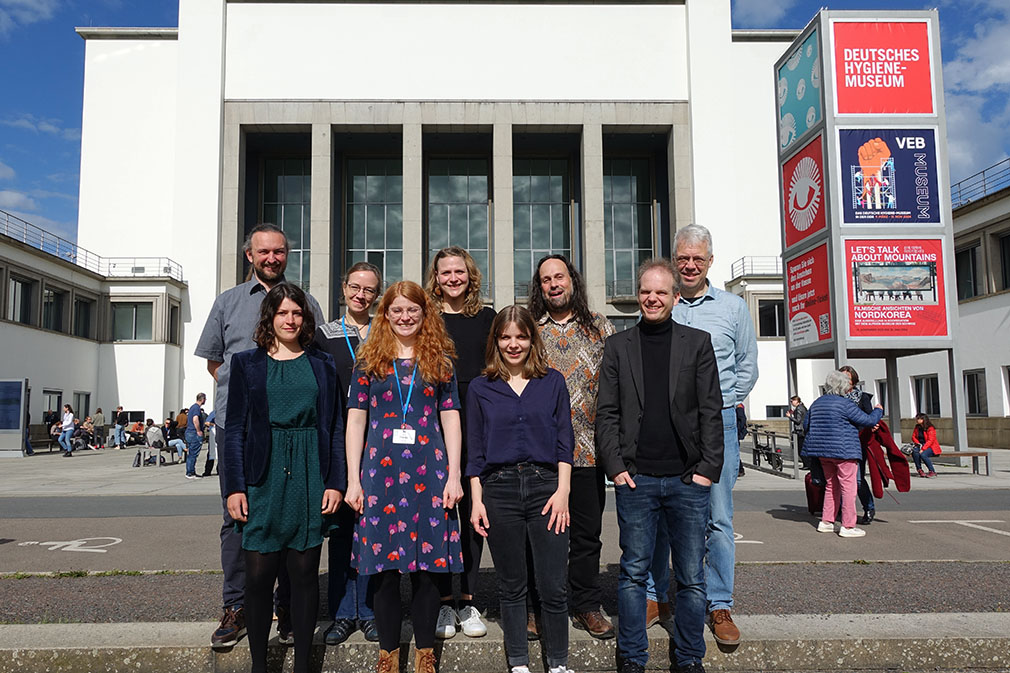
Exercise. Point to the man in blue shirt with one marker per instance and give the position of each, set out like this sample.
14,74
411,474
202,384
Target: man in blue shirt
726,318
194,435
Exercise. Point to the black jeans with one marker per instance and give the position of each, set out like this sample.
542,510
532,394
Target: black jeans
588,498
514,496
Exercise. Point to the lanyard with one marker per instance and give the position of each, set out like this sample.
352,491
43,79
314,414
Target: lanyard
404,404
347,339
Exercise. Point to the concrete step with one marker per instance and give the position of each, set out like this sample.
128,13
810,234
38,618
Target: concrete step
917,642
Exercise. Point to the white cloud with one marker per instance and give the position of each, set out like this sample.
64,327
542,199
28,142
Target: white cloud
48,194
974,140
10,199
982,61
53,127
761,13
67,230
14,13
6,172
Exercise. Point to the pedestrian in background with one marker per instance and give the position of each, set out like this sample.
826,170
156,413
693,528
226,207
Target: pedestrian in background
926,446
67,431
100,436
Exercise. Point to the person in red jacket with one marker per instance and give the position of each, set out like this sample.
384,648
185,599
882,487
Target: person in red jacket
926,446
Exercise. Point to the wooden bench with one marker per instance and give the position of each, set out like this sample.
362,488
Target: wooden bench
39,435
974,455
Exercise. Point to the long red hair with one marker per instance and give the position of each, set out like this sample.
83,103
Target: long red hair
434,349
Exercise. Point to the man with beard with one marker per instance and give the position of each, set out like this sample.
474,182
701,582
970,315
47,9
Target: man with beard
573,336
229,330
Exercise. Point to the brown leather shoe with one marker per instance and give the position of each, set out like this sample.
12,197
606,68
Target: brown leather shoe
532,627
723,628
389,662
595,623
656,613
424,660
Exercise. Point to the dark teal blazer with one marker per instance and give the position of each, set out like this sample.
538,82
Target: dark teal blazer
247,435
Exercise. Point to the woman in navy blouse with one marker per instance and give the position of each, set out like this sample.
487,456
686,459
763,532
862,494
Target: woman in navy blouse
520,440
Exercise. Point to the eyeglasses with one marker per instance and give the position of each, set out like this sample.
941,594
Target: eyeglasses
698,261
367,291
397,311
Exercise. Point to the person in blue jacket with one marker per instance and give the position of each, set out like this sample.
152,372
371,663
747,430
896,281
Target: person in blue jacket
832,435
284,469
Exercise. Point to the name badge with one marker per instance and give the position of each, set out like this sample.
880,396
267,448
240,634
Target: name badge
403,436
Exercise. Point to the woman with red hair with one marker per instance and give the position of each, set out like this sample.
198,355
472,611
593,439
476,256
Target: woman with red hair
404,477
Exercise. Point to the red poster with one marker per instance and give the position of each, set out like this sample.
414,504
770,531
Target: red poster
895,288
882,67
809,298
803,192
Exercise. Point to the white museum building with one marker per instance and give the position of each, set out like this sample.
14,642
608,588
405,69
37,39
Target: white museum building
386,130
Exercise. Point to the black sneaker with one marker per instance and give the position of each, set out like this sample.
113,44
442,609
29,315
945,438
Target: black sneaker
632,667
693,667
231,628
285,634
369,629
339,631
868,516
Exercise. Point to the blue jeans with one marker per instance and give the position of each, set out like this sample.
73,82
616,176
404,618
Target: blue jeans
720,556
118,437
64,440
921,457
193,443
350,595
684,508
178,445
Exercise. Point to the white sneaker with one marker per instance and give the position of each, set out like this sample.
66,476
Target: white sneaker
825,527
446,626
561,669
520,669
470,622
851,532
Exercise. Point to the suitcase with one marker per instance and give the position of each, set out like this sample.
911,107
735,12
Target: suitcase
815,495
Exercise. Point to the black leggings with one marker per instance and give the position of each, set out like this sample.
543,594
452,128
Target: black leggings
423,608
261,572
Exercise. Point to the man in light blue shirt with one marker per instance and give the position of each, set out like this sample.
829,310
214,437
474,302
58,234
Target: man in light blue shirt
726,317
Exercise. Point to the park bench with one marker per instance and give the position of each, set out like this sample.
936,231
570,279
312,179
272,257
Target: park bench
39,436
974,455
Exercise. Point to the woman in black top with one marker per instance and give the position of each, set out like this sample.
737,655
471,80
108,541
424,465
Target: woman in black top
454,283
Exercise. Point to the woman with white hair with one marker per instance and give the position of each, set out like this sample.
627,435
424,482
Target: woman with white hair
832,435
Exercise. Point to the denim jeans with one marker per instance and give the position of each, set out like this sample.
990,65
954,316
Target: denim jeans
685,510
118,437
514,496
350,595
921,457
64,440
178,445
193,443
720,556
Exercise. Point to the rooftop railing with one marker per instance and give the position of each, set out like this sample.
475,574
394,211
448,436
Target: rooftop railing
756,266
983,183
27,233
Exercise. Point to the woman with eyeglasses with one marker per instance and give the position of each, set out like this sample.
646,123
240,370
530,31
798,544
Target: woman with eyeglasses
520,467
350,599
454,286
404,477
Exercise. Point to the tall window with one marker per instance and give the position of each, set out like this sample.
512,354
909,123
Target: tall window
974,392
287,190
374,231
771,318
83,315
132,321
882,392
458,209
966,268
927,394
82,405
174,323
541,215
627,221
53,302
19,300
53,400
1004,259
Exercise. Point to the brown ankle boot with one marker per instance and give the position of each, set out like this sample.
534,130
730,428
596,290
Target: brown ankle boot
389,662
424,660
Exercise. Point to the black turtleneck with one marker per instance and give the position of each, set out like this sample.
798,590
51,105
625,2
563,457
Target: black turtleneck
659,452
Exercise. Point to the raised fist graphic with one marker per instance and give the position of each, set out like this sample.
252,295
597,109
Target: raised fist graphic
872,154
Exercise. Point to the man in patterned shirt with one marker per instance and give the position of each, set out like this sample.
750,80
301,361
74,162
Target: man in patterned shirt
574,336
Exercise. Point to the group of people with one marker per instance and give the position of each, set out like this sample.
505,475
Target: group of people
412,437
70,432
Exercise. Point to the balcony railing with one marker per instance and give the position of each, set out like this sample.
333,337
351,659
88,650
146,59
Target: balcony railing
113,267
756,266
983,183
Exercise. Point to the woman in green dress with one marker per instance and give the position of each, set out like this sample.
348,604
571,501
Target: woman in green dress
284,469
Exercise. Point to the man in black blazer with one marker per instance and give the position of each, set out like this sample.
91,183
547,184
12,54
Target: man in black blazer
660,437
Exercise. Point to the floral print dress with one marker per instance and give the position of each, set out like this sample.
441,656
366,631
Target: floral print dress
404,526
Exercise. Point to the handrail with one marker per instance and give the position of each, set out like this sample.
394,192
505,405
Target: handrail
27,233
981,184
756,266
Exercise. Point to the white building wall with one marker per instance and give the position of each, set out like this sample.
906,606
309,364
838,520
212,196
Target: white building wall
132,375
423,51
128,147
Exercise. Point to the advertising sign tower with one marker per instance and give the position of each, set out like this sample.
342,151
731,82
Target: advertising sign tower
867,233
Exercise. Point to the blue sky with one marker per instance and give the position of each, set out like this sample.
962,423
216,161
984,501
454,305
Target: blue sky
42,81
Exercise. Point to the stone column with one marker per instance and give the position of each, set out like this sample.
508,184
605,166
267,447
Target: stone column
413,205
678,159
503,292
594,246
321,218
232,203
